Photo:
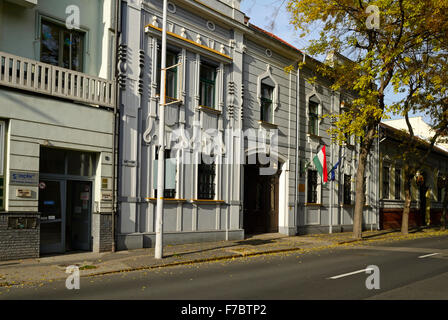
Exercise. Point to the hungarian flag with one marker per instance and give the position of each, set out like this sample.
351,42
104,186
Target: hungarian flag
320,162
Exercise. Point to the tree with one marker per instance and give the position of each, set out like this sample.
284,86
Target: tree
377,52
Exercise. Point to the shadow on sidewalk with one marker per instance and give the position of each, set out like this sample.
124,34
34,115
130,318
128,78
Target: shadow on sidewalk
247,241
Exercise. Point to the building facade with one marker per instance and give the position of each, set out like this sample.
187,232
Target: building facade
242,125
427,193
57,102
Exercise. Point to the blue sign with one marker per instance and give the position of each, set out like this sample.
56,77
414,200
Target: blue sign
19,178
49,203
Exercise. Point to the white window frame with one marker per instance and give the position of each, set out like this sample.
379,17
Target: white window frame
319,111
275,95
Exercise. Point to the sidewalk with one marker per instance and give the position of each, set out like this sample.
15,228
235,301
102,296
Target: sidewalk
37,271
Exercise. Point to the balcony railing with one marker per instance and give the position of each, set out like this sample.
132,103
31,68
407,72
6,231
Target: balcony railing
31,75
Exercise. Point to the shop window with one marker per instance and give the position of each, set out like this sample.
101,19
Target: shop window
61,47
313,116
171,74
170,174
348,189
266,103
312,186
385,193
397,184
207,87
206,178
2,163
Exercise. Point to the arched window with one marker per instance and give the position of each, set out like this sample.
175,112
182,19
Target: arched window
267,90
267,93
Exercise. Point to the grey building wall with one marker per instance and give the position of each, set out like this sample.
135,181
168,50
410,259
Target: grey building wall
215,31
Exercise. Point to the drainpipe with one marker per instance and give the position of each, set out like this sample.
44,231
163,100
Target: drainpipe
296,200
116,115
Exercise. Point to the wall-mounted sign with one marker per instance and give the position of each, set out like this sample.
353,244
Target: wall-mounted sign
23,193
106,195
20,178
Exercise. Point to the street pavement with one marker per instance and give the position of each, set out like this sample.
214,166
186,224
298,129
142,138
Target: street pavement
411,269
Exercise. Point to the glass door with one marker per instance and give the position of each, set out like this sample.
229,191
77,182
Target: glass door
79,211
52,221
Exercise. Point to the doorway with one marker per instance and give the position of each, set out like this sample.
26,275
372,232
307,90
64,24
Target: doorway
261,201
65,207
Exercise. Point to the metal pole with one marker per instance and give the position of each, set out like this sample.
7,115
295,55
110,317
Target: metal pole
161,161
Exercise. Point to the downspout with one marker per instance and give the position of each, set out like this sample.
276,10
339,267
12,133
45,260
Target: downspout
296,201
116,115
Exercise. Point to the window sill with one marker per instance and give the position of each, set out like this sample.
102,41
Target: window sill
209,110
267,124
166,199
207,201
310,204
314,136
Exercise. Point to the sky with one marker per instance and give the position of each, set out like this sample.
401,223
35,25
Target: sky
272,16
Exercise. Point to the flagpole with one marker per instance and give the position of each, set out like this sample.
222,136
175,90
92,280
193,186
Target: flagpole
161,159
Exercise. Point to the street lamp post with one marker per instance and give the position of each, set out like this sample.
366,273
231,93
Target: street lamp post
161,161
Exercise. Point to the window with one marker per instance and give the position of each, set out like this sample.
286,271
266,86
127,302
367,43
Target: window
266,103
385,182
207,86
347,189
312,186
313,116
61,47
170,174
60,161
171,74
2,164
206,179
397,184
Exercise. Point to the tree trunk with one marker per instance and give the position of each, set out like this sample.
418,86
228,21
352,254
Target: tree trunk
407,206
359,189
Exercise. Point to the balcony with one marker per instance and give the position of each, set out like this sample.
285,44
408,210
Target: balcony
34,76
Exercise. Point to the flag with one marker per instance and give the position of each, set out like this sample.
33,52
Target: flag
320,162
333,170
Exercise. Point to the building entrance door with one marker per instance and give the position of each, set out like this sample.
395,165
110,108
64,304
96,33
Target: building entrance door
260,201
52,220
79,209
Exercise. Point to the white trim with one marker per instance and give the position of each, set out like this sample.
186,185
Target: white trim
2,148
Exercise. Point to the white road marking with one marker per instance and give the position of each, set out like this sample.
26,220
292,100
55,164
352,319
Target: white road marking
428,255
349,274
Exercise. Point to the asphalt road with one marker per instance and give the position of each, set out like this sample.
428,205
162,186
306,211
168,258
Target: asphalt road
416,269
